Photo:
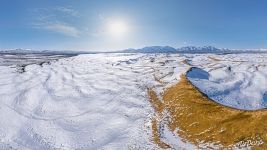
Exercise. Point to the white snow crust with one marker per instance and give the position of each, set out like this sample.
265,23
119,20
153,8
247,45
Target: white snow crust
92,101
237,80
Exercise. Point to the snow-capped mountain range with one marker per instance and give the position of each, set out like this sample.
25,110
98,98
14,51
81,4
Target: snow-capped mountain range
148,49
190,49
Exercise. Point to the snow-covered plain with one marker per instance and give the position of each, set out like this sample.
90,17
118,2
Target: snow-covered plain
100,101
94,101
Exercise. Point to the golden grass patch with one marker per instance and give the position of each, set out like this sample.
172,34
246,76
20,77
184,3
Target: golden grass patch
214,58
185,61
201,120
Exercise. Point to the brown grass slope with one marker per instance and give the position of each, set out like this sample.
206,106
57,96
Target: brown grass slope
201,120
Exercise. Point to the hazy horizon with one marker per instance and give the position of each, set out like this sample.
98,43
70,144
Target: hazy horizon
134,48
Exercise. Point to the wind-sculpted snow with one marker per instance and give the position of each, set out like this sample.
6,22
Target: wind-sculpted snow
95,101
102,101
238,81
8,59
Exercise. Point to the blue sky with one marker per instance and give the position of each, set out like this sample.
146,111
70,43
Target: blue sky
84,24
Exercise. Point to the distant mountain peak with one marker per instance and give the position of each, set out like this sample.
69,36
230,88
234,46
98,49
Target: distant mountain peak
199,49
169,49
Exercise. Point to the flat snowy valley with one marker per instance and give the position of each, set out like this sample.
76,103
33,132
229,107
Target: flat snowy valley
101,101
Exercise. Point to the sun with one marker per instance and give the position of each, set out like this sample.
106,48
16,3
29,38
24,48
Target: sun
117,28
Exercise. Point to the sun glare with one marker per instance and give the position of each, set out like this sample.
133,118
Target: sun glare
117,28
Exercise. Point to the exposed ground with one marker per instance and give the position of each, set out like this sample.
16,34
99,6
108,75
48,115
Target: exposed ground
205,123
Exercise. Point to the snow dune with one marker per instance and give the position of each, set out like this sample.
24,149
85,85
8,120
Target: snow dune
236,80
94,101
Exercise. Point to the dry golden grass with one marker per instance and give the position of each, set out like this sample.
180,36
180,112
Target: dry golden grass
185,61
201,120
158,79
217,59
214,59
156,135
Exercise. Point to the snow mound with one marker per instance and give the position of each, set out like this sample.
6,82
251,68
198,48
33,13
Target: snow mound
242,86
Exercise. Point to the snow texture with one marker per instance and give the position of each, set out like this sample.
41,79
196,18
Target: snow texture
100,101
236,80
92,101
